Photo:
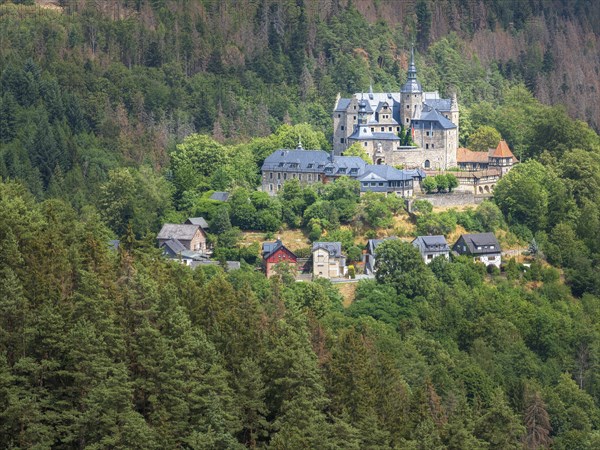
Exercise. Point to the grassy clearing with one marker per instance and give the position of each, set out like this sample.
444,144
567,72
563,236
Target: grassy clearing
347,290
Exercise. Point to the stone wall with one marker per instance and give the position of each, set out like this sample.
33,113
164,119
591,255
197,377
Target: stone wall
451,199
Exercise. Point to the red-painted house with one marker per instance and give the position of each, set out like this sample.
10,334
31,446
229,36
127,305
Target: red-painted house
275,253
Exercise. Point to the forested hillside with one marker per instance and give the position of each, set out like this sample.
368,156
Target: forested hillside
118,116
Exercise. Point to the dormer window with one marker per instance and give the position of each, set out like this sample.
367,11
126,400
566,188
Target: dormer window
310,166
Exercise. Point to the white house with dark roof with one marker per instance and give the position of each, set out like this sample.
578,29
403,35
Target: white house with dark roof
431,247
483,247
328,260
389,180
375,120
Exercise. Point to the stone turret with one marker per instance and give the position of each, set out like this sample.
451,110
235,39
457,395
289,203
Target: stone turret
411,94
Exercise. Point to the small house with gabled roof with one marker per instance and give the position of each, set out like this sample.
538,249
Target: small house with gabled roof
431,247
192,237
483,247
275,253
200,221
328,260
369,256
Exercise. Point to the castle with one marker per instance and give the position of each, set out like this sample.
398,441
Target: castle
379,122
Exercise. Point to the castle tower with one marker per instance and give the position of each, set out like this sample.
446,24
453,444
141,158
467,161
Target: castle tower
411,94
454,110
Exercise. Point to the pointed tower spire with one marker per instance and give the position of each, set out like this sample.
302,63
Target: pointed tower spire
454,102
412,69
412,85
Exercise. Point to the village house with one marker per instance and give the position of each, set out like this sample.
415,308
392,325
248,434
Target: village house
431,247
369,254
328,260
275,253
483,247
191,237
376,120
499,159
389,180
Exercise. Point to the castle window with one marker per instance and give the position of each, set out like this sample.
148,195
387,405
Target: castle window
389,128
285,176
271,175
372,129
432,145
354,117
426,146
397,128
341,140
407,106
427,133
339,115
279,175
382,128
342,127
365,144
271,187
407,120
354,106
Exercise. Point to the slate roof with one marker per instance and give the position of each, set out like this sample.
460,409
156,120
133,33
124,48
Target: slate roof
377,172
220,196
435,243
483,240
268,248
298,160
174,246
441,104
435,116
198,221
183,232
342,104
415,173
333,248
372,244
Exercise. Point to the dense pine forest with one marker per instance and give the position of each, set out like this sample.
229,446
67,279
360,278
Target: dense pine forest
117,116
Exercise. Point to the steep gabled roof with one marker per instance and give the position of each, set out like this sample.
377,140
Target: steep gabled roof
333,248
174,246
479,243
502,151
435,116
464,155
372,244
183,232
269,248
197,221
435,243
